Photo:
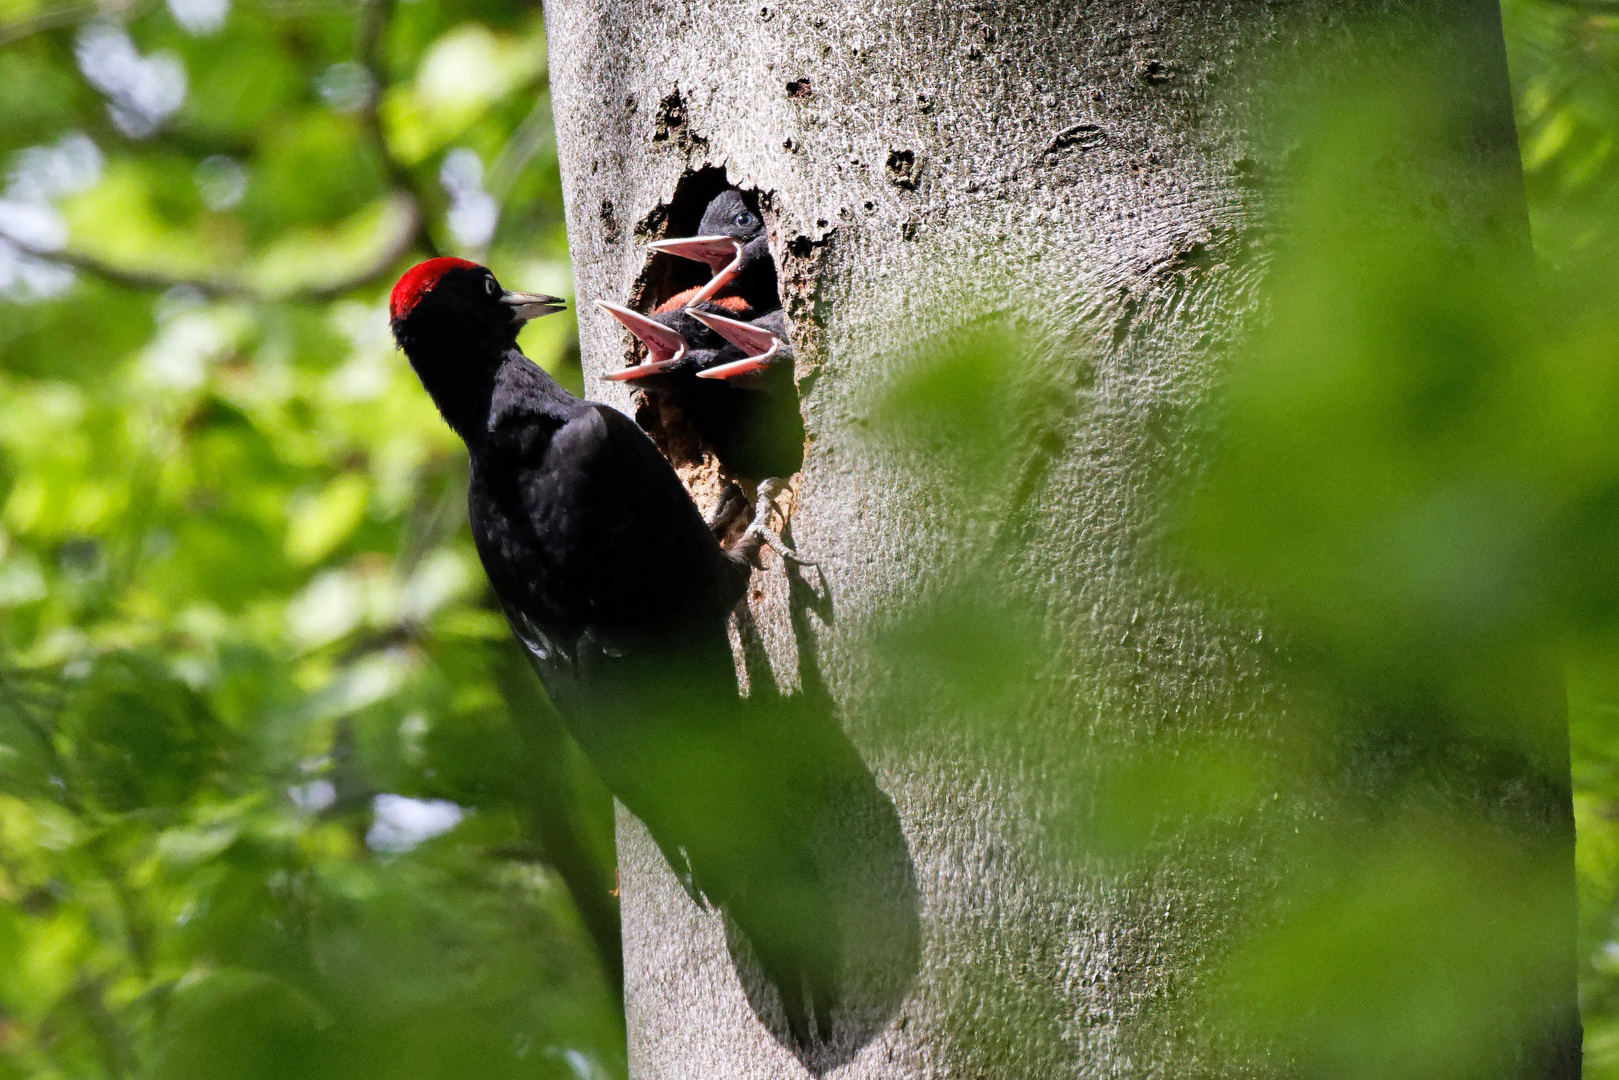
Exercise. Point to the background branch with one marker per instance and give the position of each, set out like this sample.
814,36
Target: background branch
67,15
224,287
373,24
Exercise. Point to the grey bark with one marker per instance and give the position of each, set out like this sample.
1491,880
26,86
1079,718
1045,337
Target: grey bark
1084,173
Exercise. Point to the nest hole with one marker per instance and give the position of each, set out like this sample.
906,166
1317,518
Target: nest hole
721,436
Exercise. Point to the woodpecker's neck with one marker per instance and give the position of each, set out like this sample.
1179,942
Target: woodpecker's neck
757,277
459,377
458,365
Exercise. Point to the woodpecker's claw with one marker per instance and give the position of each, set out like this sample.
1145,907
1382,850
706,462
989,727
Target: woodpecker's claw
760,527
731,503
760,345
662,343
717,252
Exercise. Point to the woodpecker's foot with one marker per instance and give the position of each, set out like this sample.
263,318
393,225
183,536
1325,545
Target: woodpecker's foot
761,532
730,505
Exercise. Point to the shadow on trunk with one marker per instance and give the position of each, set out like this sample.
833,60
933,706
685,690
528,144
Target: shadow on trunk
863,861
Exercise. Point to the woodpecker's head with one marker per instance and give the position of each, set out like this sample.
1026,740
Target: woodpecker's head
460,301
729,234
728,215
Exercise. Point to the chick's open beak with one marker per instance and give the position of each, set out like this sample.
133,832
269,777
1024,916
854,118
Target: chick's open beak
717,252
760,345
641,371
531,305
661,342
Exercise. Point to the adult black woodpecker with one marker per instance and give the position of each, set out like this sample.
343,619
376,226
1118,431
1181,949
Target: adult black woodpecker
731,242
619,594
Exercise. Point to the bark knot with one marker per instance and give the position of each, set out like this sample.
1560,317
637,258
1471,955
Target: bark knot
904,171
1082,136
673,125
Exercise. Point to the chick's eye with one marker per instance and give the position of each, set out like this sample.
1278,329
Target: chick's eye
491,287
744,219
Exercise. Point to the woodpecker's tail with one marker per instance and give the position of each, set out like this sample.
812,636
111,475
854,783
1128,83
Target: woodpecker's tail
742,797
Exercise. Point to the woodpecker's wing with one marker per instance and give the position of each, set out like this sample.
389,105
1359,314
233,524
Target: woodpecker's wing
639,589
617,537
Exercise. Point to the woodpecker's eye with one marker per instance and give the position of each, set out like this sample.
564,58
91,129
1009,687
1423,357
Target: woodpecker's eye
491,287
745,220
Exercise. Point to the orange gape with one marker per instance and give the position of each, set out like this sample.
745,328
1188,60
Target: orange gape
678,301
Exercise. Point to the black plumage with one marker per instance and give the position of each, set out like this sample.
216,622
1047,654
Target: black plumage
620,594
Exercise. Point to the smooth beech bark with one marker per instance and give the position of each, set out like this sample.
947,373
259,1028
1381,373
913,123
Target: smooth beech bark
1098,182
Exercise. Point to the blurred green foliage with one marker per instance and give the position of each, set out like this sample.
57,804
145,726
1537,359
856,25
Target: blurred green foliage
277,797
1565,65
1565,61
1564,57
1413,475
1416,473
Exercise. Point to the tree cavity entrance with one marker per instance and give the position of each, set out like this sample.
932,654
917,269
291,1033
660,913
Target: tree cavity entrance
724,435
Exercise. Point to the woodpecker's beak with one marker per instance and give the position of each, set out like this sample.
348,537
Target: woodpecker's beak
662,344
531,305
736,368
761,346
717,252
641,371
721,279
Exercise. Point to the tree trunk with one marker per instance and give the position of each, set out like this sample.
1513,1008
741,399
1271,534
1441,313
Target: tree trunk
1001,635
